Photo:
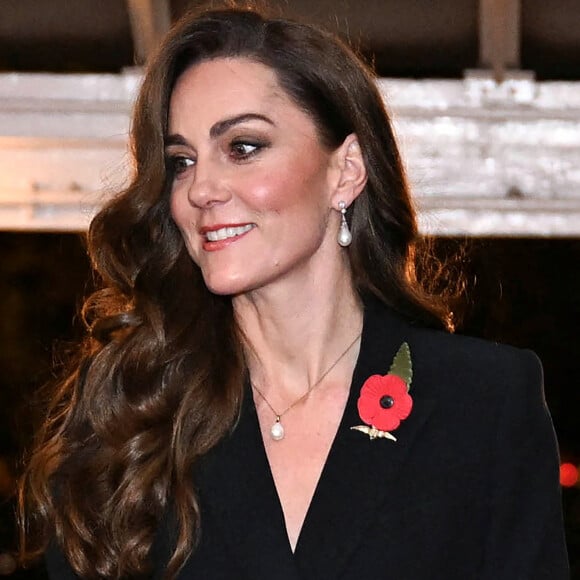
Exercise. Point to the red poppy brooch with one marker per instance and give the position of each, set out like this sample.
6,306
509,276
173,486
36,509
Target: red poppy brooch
384,401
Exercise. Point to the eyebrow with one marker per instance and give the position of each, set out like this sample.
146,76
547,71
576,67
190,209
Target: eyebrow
174,139
219,128
223,126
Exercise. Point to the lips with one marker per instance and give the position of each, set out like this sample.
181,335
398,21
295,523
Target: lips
226,232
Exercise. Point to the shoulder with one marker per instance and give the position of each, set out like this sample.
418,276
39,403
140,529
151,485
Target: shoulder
457,365
485,391
479,373
456,353
446,353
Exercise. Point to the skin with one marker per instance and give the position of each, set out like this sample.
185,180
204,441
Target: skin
270,172
246,155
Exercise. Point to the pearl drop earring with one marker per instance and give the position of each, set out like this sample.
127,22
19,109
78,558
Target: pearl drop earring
344,235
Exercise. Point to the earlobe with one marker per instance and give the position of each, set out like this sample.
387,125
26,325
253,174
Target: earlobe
353,171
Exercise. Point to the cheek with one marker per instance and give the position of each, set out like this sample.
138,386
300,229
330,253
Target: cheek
266,188
305,180
272,196
178,207
173,208
181,214
284,189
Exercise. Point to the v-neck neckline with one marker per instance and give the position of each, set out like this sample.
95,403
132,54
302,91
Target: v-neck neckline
252,411
365,359
238,491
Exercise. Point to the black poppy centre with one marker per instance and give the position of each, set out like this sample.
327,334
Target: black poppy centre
386,402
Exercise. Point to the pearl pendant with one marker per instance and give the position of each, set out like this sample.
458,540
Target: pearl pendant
277,431
344,235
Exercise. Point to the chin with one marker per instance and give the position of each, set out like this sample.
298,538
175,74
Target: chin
225,285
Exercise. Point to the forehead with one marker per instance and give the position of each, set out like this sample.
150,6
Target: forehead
227,85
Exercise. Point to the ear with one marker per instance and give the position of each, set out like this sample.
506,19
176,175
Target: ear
352,171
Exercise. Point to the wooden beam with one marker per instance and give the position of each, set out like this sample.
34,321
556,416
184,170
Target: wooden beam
150,20
499,35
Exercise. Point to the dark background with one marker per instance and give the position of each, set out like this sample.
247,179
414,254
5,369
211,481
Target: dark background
524,292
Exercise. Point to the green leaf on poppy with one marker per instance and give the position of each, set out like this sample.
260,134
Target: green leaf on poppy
402,365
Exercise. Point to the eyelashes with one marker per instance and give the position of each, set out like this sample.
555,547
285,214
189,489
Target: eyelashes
238,150
244,149
178,164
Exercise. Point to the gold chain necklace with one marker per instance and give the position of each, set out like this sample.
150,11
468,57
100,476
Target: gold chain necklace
277,429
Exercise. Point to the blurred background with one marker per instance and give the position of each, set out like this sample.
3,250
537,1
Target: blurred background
485,97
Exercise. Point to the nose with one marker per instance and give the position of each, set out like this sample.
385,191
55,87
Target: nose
208,187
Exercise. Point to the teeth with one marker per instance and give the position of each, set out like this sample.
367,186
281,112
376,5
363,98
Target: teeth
225,233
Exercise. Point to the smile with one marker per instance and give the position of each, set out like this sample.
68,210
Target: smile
228,232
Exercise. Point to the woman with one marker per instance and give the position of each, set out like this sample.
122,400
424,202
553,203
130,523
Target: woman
221,422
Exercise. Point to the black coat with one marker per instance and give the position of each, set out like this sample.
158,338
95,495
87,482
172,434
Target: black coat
468,491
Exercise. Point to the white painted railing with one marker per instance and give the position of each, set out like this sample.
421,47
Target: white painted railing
483,159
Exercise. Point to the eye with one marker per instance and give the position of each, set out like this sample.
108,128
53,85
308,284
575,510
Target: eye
241,150
178,164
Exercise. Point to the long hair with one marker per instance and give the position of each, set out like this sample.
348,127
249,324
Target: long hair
159,379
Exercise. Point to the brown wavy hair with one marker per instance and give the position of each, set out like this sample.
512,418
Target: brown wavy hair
159,379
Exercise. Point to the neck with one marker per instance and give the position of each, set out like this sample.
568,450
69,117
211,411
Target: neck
293,335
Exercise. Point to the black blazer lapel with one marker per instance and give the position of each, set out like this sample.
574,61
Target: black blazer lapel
359,473
237,487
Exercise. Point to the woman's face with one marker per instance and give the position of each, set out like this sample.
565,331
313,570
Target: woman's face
252,189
